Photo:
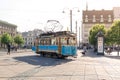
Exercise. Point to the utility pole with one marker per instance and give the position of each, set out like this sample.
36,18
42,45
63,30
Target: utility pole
71,15
76,32
118,39
76,27
79,37
71,19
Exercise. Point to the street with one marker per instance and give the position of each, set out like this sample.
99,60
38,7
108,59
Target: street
30,66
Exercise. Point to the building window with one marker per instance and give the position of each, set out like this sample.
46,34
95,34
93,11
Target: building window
101,18
109,15
30,34
86,18
109,18
86,15
101,15
94,20
86,35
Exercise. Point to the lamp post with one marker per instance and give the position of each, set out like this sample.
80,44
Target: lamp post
79,37
118,39
71,19
76,32
71,13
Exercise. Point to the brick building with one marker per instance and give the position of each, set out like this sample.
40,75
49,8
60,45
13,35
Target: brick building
92,17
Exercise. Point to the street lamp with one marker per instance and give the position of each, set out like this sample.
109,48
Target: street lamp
118,39
71,13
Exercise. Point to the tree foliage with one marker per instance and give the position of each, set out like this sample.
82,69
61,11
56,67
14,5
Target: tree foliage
6,38
18,39
113,34
0,38
93,32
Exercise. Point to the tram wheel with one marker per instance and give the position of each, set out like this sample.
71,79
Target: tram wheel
54,56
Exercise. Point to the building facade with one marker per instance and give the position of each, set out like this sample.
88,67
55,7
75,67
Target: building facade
9,28
92,17
116,12
29,37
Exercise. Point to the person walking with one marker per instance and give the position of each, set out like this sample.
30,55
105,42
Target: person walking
84,50
8,47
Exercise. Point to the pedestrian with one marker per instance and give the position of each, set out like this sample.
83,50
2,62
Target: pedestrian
8,47
108,50
84,50
15,48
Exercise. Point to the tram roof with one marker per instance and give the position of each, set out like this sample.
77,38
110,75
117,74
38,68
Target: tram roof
60,33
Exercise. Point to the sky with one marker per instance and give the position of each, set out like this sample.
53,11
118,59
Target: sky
33,14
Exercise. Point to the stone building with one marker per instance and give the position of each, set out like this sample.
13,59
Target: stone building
9,28
92,17
29,37
116,12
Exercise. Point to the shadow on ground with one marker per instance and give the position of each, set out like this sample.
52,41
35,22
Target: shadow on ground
42,61
113,57
92,54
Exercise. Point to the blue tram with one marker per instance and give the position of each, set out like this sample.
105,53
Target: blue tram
56,44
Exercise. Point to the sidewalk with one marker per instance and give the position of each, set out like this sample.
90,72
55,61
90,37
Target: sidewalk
113,53
88,67
4,51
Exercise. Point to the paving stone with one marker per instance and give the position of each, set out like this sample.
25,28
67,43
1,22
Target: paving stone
63,78
91,77
77,78
89,67
104,77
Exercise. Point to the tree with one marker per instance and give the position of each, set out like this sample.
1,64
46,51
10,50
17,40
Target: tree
18,40
6,38
113,34
93,32
0,38
109,40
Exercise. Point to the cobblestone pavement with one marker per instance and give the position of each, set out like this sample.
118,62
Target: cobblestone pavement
29,66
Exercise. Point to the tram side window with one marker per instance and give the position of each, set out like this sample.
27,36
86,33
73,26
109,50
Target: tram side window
57,41
53,42
44,42
41,42
68,41
64,41
48,42
73,41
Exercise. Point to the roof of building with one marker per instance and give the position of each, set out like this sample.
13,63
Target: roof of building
97,14
34,32
24,33
8,24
